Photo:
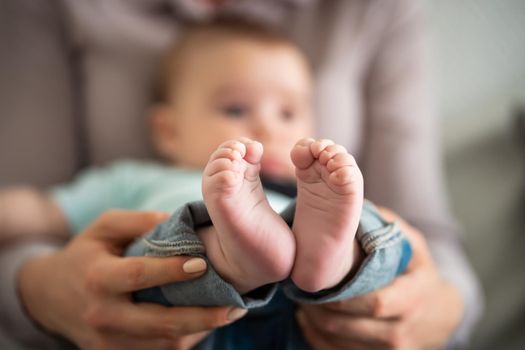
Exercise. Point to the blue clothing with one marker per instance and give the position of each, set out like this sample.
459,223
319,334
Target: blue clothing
386,256
272,326
134,185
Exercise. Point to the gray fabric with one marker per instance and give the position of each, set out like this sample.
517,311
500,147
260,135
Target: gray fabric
7,343
36,95
76,76
14,322
449,256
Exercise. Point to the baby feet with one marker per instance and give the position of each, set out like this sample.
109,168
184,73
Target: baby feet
329,203
252,245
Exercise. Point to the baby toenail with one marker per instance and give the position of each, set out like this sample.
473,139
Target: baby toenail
305,142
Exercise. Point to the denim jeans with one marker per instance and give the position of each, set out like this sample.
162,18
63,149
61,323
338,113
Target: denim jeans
270,322
387,254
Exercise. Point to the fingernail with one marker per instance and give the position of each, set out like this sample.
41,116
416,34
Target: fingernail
162,216
236,313
194,265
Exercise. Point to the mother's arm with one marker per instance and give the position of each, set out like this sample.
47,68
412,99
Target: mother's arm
82,291
402,167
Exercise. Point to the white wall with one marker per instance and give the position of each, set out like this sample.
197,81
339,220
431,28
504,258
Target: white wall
478,51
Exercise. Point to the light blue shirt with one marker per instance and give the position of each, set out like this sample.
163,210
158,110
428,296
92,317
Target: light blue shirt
133,185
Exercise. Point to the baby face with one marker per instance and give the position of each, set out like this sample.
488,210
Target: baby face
239,88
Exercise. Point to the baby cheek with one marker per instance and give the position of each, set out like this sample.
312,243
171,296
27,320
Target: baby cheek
288,166
231,132
290,170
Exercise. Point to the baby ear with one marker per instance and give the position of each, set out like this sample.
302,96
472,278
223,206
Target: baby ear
163,126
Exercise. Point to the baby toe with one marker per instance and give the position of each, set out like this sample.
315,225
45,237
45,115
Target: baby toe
221,165
234,146
226,153
301,154
254,151
318,146
342,176
340,160
329,152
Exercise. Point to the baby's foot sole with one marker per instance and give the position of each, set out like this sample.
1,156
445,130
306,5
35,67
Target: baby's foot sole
329,203
253,245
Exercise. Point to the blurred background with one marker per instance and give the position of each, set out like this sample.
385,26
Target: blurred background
478,58
478,53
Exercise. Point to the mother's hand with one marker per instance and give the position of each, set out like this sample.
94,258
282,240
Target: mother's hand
83,291
418,310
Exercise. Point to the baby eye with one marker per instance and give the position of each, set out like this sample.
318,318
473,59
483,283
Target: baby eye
235,111
287,114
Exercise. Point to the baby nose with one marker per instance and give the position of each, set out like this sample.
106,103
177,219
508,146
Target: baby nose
263,129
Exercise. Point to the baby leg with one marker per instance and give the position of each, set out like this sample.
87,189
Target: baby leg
329,203
252,245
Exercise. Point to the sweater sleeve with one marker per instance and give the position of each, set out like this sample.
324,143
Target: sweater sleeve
14,322
401,141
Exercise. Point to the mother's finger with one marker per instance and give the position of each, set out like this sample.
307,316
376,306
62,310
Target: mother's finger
122,226
368,305
317,340
395,300
119,341
121,275
342,329
153,320
320,340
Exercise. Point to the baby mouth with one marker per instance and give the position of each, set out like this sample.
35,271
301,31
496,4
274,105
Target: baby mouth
271,165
